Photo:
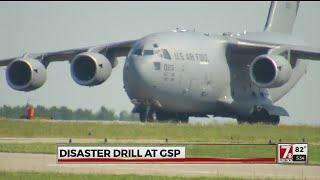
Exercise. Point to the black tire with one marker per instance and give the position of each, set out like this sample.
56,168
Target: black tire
183,118
162,116
272,120
243,119
142,116
147,116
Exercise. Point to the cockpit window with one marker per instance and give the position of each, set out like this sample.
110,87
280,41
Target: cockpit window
163,53
147,52
166,54
138,52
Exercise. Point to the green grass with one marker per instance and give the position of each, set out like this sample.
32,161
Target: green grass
49,175
56,176
217,133
45,148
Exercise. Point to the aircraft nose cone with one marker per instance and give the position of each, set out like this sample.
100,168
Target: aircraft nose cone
135,74
136,67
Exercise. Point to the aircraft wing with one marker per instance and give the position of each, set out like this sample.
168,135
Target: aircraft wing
253,47
306,52
111,51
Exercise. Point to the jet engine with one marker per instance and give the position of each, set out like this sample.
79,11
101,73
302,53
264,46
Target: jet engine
270,71
90,68
25,74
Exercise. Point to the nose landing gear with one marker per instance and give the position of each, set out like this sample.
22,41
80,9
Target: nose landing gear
147,114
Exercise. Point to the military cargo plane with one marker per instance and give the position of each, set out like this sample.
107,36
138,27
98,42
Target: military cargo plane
182,73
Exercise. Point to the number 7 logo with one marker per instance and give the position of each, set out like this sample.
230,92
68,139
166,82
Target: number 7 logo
286,151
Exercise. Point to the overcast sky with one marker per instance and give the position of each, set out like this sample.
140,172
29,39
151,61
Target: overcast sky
51,26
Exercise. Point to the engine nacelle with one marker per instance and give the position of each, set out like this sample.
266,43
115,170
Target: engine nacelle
26,74
270,71
90,68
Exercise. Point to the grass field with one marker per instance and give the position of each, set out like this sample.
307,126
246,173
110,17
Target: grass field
56,176
216,133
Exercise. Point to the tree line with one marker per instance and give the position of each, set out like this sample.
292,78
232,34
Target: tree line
64,113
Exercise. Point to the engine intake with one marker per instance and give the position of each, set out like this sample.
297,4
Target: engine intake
25,74
90,69
270,71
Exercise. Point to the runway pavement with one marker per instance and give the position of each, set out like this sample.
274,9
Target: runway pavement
45,163
97,140
75,140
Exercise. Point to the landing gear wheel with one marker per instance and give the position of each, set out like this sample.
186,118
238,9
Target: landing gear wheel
163,116
272,120
242,120
183,118
147,115
142,116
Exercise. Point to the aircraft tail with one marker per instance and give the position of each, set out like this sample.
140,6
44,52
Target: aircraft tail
281,17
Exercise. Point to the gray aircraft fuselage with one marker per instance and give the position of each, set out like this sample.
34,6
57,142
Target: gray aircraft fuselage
191,73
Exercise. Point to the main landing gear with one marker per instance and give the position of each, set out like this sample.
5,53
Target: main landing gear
259,117
148,114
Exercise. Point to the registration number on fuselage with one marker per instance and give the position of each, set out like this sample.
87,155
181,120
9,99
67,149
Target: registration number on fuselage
191,56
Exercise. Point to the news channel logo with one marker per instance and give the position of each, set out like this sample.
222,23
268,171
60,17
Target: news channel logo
292,153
